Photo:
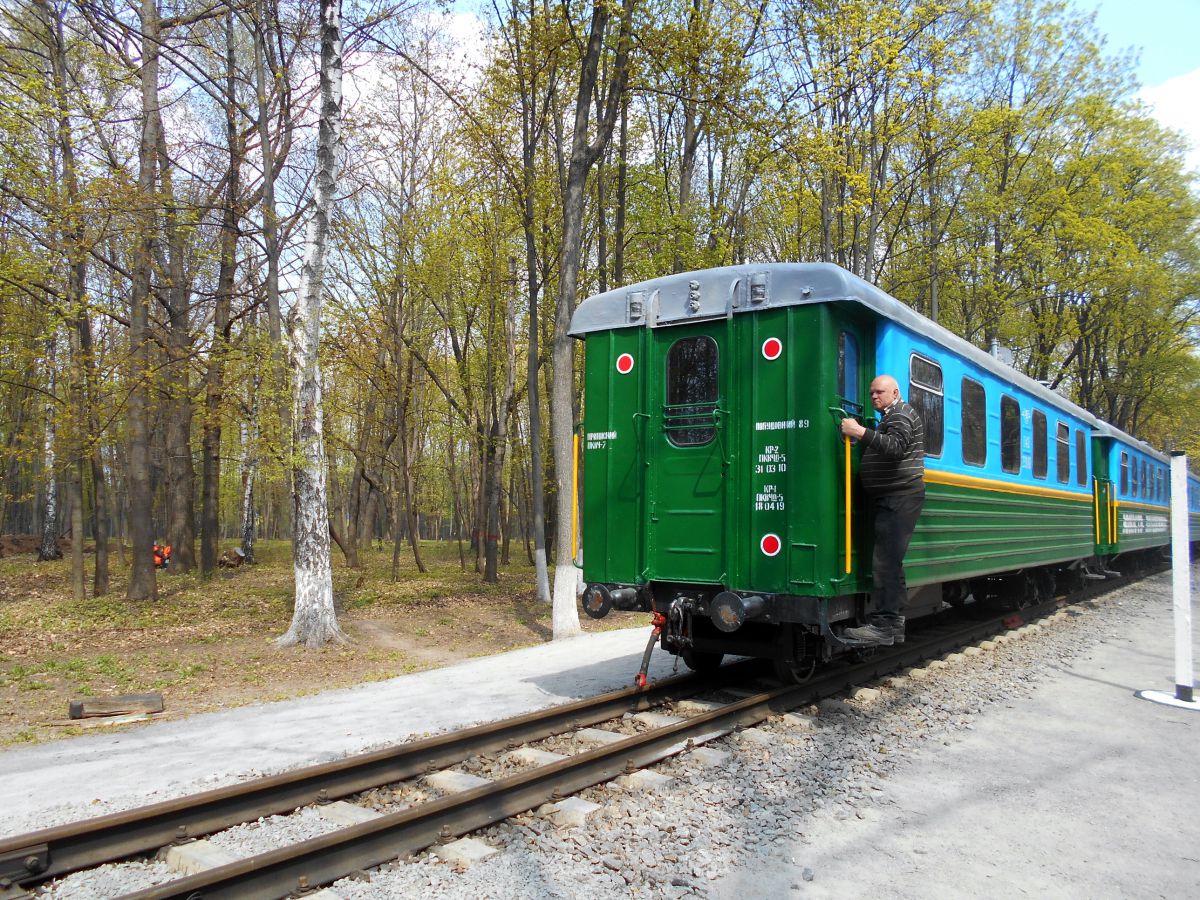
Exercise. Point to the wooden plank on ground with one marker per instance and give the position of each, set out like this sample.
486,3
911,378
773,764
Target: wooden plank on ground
125,704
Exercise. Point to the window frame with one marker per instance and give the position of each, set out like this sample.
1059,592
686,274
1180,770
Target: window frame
916,385
1124,467
848,350
978,418
1006,439
1081,467
681,427
1062,449
1041,435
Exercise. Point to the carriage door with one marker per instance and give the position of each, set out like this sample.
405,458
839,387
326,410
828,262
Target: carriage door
853,374
686,441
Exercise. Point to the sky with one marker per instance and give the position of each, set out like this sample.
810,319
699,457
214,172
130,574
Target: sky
1167,34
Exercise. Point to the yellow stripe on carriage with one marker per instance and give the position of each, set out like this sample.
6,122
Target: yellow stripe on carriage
955,479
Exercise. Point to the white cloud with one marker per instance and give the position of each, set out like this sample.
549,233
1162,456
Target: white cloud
1174,104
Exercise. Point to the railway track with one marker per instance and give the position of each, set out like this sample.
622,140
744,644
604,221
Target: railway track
31,859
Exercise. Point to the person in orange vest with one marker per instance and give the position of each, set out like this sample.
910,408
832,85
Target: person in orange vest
162,556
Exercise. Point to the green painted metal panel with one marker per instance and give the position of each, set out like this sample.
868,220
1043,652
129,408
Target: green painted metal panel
686,484
968,531
613,467
787,514
1140,526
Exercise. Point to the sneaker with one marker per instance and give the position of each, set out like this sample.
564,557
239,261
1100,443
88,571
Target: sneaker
880,635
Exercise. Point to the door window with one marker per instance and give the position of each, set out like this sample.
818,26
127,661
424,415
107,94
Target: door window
848,371
689,418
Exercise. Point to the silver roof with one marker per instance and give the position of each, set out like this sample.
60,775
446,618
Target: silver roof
720,293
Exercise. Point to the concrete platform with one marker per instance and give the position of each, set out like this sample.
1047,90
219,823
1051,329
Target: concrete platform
1082,790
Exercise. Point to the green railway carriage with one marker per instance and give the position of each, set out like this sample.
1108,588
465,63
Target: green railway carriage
1137,480
719,494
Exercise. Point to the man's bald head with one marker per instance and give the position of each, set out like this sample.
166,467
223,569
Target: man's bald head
884,392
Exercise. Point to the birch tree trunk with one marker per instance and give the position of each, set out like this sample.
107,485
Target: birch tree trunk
565,615
49,546
314,621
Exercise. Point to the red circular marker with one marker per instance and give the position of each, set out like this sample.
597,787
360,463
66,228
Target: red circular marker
770,544
625,363
772,348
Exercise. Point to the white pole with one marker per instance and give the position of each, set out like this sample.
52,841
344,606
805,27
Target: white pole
1181,584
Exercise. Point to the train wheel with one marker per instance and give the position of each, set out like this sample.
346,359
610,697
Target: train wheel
795,671
702,662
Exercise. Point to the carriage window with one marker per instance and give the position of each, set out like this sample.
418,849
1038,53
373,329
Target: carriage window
1063,449
847,385
925,395
1010,434
1041,463
1145,492
1080,457
1133,477
974,423
1124,472
689,418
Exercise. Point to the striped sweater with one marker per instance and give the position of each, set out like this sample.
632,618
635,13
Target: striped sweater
893,459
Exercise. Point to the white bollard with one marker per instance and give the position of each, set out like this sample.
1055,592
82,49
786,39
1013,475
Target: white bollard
1181,590
1181,578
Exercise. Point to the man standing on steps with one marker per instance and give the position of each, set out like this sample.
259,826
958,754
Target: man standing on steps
892,472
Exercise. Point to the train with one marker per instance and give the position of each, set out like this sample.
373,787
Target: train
719,495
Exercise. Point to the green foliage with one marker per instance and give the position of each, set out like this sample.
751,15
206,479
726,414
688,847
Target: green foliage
986,155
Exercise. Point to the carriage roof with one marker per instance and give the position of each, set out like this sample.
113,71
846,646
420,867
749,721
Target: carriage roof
734,290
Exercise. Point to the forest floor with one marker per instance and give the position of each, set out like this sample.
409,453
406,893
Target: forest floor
207,645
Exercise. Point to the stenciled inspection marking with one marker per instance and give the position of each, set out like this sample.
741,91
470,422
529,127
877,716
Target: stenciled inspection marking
598,440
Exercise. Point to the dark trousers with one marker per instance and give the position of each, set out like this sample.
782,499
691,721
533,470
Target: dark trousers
895,518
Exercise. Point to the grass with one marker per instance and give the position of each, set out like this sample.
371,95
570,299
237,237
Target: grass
208,644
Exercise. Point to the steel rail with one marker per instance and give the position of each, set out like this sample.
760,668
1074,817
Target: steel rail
323,860
38,856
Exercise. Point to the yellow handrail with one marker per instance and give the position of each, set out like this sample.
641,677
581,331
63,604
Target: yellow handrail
575,499
846,441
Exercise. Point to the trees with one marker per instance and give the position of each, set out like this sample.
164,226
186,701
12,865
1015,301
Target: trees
985,162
